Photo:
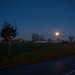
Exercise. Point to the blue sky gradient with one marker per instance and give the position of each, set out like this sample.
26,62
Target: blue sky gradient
43,17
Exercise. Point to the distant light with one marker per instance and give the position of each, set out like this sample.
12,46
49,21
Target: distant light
20,40
57,33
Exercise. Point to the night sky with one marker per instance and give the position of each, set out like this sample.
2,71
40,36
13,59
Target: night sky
43,17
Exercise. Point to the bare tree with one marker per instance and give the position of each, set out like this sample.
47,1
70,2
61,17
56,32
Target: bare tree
71,38
41,37
37,37
49,39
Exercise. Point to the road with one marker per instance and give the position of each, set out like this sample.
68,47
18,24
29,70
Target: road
63,66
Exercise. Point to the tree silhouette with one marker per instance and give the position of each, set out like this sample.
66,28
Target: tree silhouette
71,38
37,37
8,32
49,39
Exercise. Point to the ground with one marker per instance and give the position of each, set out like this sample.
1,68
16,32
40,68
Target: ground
27,53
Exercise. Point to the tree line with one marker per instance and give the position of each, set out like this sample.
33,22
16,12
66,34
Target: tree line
8,32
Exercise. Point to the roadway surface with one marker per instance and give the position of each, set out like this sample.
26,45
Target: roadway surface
63,66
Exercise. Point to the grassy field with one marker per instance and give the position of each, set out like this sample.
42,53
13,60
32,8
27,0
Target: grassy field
26,53
19,48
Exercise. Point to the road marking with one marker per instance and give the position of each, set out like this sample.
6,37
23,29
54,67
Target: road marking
70,72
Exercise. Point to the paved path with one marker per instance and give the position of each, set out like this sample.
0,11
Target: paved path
63,66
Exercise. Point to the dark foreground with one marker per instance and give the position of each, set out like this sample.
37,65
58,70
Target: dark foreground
29,53
64,66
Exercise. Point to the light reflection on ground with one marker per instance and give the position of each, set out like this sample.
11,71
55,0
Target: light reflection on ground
58,67
52,67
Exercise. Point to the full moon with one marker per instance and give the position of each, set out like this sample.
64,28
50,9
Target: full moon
57,33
